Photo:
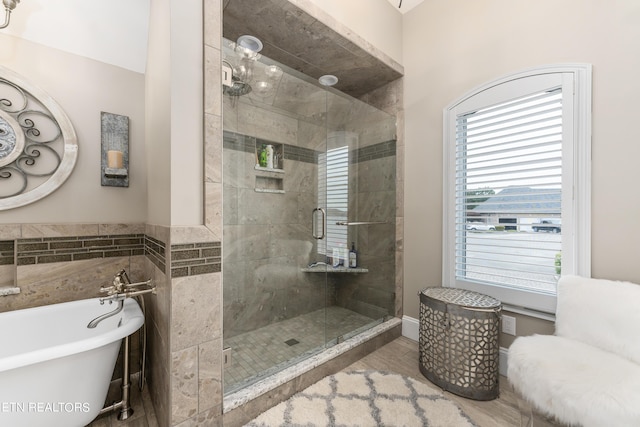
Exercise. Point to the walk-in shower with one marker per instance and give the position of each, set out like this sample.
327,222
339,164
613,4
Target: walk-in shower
330,185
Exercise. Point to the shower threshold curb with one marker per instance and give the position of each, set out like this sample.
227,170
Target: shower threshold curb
251,392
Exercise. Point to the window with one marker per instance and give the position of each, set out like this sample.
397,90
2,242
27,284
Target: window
517,186
333,189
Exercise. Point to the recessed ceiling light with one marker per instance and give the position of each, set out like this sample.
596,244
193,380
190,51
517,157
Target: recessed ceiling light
250,42
328,80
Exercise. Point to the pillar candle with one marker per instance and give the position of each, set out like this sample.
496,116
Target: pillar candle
114,159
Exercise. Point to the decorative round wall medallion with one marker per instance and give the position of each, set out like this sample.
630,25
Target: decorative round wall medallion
38,145
11,143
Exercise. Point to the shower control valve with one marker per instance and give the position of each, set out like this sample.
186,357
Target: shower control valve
117,287
109,290
121,289
112,297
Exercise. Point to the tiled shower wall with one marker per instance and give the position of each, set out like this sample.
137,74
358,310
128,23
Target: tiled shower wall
373,294
268,239
268,235
389,98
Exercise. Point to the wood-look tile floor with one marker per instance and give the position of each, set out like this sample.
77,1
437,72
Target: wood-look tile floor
401,356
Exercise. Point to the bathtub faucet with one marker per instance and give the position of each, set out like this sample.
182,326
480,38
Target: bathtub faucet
121,289
117,286
113,312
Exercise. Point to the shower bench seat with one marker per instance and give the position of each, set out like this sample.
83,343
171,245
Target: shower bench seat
329,269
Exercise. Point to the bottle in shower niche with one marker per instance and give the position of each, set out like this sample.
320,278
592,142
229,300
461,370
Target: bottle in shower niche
335,259
353,256
269,150
344,255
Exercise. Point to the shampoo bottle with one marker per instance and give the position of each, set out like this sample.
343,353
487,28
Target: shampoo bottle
269,151
335,258
353,256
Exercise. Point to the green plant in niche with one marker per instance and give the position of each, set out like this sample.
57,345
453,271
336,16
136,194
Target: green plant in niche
262,156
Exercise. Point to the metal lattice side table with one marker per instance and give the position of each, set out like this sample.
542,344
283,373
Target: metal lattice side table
458,341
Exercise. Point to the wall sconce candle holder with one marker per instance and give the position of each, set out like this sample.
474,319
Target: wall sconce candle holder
115,150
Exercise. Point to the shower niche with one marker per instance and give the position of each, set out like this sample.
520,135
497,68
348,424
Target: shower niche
269,167
333,154
269,184
263,163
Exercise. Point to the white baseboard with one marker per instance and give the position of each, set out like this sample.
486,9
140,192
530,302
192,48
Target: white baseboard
411,330
503,362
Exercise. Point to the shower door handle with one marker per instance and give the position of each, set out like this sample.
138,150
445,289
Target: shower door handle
314,224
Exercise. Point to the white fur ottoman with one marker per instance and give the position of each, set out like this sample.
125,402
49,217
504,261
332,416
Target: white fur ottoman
588,373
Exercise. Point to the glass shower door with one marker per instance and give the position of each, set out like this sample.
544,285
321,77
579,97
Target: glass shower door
303,166
274,307
359,186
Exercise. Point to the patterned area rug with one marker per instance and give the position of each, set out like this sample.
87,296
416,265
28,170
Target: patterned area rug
366,398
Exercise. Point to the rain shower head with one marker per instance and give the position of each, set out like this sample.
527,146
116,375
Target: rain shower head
246,49
238,86
237,89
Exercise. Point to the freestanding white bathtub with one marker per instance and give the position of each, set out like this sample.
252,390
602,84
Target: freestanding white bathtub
54,371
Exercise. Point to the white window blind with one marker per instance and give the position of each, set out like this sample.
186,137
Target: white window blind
508,193
333,192
517,174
